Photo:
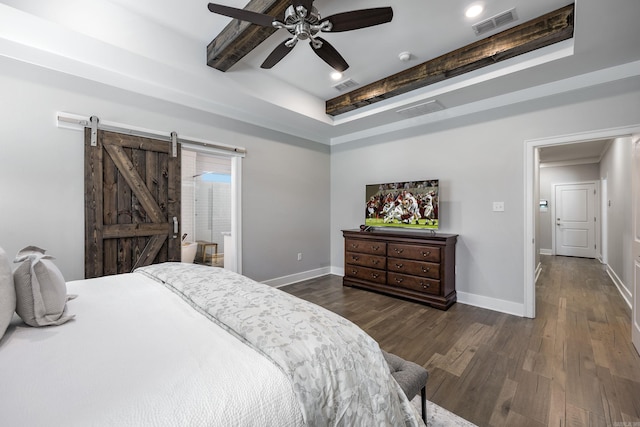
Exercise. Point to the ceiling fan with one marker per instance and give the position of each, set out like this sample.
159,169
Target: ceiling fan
303,21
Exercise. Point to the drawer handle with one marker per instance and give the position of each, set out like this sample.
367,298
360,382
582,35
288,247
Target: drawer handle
375,248
399,279
426,270
375,275
375,261
354,272
355,258
427,286
398,250
426,253
399,266
353,245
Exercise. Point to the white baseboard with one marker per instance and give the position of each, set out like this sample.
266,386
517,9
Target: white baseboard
546,252
298,277
495,304
338,271
624,291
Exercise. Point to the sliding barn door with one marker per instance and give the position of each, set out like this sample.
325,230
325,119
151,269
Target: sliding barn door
132,203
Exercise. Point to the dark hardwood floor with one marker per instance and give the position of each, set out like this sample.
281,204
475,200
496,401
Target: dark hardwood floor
573,365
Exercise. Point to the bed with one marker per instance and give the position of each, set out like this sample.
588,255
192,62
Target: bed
182,344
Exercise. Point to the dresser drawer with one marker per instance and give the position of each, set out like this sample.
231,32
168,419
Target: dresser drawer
366,260
416,268
422,253
364,273
428,286
366,246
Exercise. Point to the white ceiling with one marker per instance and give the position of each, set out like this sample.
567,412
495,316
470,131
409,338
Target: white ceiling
158,48
577,153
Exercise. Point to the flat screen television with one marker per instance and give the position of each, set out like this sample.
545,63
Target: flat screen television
411,204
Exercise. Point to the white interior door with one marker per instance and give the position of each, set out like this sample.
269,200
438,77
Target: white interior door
635,309
575,219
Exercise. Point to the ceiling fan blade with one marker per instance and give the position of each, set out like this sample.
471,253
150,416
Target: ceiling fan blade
330,55
241,14
362,18
276,55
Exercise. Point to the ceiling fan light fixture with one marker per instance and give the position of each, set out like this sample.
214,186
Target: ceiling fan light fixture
336,75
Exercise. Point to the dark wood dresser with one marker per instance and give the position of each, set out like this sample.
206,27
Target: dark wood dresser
415,265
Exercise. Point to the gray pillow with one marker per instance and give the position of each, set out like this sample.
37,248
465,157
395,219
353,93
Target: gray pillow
7,293
40,289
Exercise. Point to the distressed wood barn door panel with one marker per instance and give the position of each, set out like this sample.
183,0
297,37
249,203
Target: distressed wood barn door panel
132,194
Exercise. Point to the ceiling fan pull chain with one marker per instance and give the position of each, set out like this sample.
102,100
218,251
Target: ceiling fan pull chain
301,11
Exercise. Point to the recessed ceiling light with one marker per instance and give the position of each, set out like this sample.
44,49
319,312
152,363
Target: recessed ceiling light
474,10
336,75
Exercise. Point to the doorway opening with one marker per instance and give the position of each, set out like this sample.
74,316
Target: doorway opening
532,199
210,206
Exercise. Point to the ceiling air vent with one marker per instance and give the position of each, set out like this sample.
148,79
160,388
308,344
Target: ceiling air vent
345,85
421,109
496,21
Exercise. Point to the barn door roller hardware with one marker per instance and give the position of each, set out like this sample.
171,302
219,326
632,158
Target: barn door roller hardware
174,144
78,122
94,131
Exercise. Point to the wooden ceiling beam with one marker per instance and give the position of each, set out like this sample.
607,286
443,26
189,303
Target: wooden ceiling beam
239,38
535,34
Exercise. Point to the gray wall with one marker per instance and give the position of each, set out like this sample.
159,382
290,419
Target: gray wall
478,160
616,168
561,175
285,179
296,197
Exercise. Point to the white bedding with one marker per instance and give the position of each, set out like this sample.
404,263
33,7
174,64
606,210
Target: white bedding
122,363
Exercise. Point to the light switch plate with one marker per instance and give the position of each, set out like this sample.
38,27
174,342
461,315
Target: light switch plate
498,206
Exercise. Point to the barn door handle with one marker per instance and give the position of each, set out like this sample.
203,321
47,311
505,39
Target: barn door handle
175,227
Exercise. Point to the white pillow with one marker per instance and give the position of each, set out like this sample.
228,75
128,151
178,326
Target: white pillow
40,289
7,293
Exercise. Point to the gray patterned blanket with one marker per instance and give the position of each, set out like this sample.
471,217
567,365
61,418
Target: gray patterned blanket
337,371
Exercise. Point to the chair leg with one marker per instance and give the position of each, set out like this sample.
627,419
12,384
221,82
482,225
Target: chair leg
423,394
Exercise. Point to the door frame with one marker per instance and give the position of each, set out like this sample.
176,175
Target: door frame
635,251
531,165
553,214
604,222
236,199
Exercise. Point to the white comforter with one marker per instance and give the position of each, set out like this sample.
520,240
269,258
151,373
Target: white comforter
338,372
137,355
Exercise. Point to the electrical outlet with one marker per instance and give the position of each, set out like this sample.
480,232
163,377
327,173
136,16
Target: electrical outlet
498,206
299,256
